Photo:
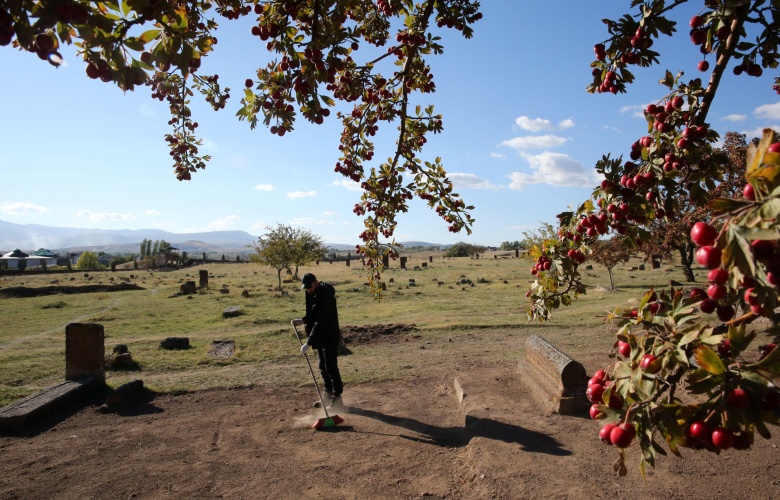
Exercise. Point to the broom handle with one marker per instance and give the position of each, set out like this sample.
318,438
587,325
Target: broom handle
308,363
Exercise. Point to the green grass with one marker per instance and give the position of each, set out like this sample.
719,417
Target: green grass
484,323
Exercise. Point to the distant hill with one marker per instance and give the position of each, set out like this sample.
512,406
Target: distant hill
30,237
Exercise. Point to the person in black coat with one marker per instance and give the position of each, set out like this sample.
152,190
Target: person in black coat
324,334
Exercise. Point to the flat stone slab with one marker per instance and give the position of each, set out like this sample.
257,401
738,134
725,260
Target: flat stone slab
23,411
222,349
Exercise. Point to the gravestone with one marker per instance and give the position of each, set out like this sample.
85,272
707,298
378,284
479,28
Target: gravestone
386,261
172,343
403,262
641,267
231,312
188,287
204,278
556,380
222,349
424,264
430,259
656,260
412,282
84,351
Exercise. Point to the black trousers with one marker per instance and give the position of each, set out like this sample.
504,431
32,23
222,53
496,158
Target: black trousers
329,368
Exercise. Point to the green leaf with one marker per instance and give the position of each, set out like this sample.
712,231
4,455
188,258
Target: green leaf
149,35
770,363
709,360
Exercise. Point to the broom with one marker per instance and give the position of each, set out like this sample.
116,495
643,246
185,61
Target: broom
329,420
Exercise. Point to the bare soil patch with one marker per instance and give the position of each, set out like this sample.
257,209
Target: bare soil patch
365,334
23,292
408,438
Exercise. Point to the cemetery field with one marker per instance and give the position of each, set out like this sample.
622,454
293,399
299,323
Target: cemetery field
480,302
433,404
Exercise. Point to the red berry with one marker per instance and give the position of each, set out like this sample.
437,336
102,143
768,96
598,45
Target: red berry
716,292
624,348
650,363
700,431
748,192
594,393
738,398
595,413
718,276
708,256
708,306
622,435
702,234
605,433
722,438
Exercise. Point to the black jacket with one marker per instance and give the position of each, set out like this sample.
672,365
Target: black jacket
322,317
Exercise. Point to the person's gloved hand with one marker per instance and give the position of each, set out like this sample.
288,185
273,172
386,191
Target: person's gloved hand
304,348
297,322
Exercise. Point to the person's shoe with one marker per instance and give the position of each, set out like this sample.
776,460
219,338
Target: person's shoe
326,396
336,403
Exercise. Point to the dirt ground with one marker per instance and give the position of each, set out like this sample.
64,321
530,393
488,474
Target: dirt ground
403,439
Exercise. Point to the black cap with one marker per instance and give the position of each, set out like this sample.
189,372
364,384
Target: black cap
308,279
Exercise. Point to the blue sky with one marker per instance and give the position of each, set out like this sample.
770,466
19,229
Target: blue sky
520,138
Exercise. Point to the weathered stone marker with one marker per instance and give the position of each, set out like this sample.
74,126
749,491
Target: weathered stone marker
386,261
204,278
84,351
403,262
557,381
231,312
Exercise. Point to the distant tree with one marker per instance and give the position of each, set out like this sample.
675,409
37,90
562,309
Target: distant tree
276,249
308,248
88,261
155,248
223,257
148,250
511,245
204,256
610,253
143,249
462,249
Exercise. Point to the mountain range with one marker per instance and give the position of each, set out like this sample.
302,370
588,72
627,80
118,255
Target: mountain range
31,237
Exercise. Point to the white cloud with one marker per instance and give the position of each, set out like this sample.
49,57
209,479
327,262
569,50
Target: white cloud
554,169
637,110
768,111
265,187
497,156
21,208
537,124
301,194
535,142
222,223
349,185
310,221
734,118
328,214
152,212
471,181
104,216
758,132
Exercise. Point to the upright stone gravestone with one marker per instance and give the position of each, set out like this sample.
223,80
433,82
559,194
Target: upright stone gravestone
403,262
656,259
84,351
204,278
386,261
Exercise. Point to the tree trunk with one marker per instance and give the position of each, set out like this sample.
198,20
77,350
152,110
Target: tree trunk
279,276
686,260
611,280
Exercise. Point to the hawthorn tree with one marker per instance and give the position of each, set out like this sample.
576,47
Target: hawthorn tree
162,45
728,364
673,235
